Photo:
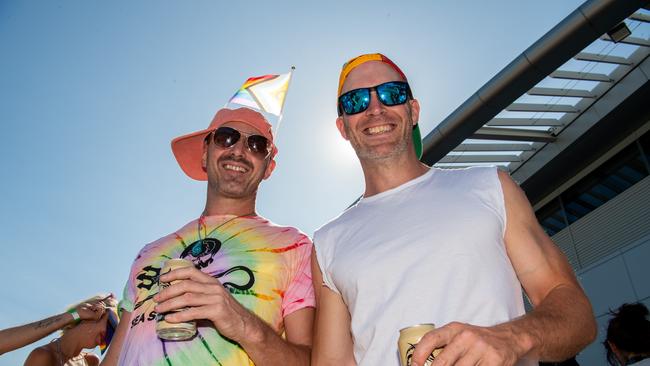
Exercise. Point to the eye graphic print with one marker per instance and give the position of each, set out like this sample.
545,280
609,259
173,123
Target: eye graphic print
202,252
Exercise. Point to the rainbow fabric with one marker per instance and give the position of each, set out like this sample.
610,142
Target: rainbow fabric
111,326
264,266
266,93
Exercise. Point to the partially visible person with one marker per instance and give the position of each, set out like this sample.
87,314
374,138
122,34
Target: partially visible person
628,336
22,335
79,335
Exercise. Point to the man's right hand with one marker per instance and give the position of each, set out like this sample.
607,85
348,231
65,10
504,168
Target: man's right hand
202,296
466,344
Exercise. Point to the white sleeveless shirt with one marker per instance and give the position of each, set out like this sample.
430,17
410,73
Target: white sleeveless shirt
428,251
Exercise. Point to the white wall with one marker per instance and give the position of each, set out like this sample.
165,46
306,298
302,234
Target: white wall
623,276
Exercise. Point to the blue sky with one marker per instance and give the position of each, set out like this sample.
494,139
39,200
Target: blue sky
92,92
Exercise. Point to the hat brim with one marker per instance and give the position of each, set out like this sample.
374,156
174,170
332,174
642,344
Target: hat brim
188,151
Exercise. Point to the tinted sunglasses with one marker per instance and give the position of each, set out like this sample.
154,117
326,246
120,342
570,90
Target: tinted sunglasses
227,137
389,94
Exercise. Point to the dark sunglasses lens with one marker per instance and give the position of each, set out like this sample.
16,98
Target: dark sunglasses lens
226,136
258,145
355,101
392,93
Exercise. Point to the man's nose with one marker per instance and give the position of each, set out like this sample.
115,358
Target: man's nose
239,147
375,106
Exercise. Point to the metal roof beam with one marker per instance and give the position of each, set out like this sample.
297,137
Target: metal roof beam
636,41
524,122
493,147
537,107
608,59
512,134
575,75
555,48
640,17
558,92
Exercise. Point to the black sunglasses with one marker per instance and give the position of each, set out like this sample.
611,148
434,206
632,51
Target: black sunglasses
227,137
389,94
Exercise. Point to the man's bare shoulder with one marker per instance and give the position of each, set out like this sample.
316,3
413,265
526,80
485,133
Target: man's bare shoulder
512,192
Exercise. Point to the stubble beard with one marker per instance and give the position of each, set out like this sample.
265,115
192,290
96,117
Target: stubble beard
376,154
379,153
234,187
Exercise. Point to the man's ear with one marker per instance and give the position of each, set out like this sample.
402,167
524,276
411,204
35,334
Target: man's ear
204,156
269,169
415,111
341,126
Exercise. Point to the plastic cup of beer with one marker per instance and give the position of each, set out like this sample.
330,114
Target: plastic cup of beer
173,331
409,338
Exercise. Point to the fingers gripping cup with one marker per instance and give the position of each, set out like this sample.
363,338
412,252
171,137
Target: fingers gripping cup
409,338
174,331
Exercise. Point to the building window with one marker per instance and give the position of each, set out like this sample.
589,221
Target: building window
607,181
551,217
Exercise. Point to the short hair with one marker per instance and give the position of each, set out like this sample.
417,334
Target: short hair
629,330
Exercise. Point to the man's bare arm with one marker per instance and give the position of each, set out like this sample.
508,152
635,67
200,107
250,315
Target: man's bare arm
561,323
332,338
269,349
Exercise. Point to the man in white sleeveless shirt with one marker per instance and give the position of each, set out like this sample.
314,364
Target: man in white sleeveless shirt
449,247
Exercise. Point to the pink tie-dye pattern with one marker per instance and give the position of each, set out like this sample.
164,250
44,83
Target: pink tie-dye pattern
278,257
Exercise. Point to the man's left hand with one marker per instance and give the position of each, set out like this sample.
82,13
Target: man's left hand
466,344
201,296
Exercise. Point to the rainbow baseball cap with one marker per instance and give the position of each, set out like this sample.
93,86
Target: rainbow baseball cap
360,60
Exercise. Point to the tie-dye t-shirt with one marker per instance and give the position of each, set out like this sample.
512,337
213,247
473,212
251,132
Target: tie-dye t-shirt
264,266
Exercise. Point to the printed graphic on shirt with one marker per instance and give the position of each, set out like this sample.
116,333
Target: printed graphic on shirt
201,253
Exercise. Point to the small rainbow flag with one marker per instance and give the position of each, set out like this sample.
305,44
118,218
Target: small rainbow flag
111,326
266,93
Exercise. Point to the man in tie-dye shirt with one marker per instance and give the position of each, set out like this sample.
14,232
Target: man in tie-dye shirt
250,289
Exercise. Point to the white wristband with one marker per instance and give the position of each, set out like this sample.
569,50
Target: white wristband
75,316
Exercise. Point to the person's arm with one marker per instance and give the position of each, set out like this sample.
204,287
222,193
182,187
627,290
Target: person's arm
332,338
562,321
270,349
20,336
206,298
114,349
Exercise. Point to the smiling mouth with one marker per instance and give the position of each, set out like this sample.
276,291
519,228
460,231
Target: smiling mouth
378,130
234,168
